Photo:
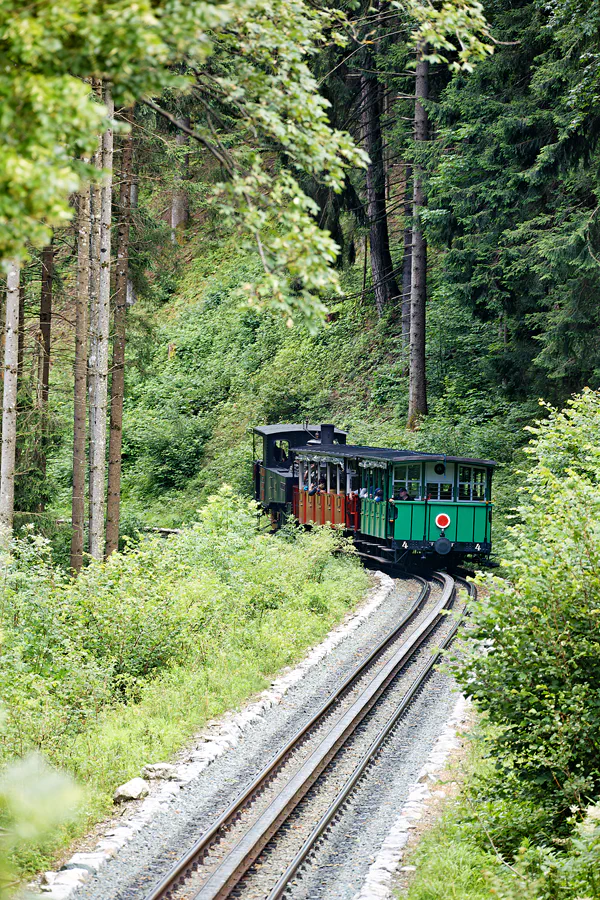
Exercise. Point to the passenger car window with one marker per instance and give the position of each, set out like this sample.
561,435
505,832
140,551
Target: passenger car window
471,483
438,491
408,477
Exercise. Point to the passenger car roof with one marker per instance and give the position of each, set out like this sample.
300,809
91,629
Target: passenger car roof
350,451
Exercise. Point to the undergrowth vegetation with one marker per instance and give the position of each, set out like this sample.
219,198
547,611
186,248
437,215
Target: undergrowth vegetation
112,670
538,681
485,846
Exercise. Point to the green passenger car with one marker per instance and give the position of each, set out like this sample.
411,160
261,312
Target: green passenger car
431,504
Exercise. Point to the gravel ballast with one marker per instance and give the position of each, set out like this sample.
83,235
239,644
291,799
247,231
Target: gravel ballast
364,847
265,873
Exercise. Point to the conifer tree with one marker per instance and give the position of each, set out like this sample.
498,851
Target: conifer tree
385,285
180,200
417,387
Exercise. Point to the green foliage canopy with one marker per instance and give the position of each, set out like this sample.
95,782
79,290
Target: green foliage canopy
50,118
260,77
513,197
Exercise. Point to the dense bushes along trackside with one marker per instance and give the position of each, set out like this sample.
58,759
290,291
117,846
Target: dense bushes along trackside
532,799
467,856
115,669
539,679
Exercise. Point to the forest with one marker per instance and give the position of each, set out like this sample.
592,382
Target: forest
218,215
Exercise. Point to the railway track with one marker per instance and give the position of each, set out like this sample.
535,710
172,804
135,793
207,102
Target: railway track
259,844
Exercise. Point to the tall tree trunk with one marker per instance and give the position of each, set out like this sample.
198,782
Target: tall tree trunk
46,320
417,386
2,332
385,285
94,292
113,506
80,373
386,108
99,363
42,362
9,406
94,286
21,329
407,259
131,294
180,207
364,277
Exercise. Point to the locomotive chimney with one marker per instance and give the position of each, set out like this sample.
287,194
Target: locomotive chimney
327,434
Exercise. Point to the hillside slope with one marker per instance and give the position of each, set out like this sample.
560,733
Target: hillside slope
204,367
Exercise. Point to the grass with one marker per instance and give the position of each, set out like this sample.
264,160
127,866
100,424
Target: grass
177,704
450,866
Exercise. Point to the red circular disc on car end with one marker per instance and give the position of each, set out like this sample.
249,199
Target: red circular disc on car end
442,520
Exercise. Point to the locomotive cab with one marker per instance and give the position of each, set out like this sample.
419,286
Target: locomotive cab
275,473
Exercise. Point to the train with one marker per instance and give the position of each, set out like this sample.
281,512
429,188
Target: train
399,505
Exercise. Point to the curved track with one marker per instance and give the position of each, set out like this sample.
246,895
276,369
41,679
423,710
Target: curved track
317,769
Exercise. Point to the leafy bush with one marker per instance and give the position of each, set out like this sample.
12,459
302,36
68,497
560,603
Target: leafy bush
49,682
538,679
168,447
491,844
70,645
34,799
544,874
494,812
523,828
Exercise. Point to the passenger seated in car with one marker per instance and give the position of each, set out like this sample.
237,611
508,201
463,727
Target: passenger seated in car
363,493
403,494
378,495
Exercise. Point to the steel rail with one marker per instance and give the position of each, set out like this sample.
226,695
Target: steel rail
365,761
237,862
177,873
